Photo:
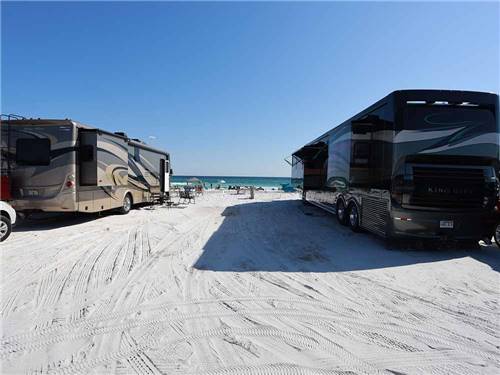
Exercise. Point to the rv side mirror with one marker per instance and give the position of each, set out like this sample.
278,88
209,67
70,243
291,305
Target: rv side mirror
171,171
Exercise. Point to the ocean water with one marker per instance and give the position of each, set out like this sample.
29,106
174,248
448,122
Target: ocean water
264,182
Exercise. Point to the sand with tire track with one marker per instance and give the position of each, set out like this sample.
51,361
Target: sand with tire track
231,285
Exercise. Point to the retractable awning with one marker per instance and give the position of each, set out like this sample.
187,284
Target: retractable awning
309,152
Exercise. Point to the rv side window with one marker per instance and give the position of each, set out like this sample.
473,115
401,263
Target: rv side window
86,153
33,151
361,153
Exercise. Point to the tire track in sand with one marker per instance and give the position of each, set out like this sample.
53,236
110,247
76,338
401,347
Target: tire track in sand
287,336
87,324
309,318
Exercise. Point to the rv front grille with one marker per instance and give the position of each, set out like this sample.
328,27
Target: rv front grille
442,187
374,215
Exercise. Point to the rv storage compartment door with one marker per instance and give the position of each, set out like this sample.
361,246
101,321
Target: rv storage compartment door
103,159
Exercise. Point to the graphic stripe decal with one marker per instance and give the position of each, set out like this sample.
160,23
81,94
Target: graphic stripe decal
418,135
481,139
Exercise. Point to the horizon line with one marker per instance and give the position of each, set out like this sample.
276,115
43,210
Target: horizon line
203,175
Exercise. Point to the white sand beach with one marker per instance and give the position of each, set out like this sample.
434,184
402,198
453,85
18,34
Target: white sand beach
230,285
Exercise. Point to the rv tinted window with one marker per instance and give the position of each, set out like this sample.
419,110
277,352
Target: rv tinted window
33,151
419,117
361,153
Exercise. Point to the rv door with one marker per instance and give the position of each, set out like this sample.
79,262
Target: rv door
164,176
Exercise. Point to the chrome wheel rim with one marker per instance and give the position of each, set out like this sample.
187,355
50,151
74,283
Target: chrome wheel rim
126,203
353,216
4,228
340,211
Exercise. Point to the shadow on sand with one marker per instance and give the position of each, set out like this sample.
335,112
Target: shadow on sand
44,221
287,236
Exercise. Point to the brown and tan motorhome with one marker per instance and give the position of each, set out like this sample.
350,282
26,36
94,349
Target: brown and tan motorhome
66,166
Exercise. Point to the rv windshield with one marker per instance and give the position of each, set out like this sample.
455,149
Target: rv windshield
447,117
33,151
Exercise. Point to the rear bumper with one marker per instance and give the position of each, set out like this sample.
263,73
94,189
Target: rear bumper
466,226
64,202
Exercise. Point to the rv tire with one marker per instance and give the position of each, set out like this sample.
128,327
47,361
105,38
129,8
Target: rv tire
5,227
353,217
341,211
126,205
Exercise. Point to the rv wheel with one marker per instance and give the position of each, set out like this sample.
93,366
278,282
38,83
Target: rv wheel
341,212
354,218
5,227
127,204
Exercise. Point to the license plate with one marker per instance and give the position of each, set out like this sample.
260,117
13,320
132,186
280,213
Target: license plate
446,224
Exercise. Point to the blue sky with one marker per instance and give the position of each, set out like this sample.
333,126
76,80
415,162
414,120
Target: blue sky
233,88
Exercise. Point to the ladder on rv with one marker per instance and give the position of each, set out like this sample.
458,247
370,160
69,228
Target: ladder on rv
6,153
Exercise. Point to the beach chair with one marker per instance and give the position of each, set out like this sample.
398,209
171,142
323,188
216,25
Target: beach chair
187,195
182,196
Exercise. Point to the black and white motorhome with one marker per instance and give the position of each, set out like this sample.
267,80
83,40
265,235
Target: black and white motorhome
418,163
66,166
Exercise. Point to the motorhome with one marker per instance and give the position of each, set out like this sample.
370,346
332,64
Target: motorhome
417,163
66,166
